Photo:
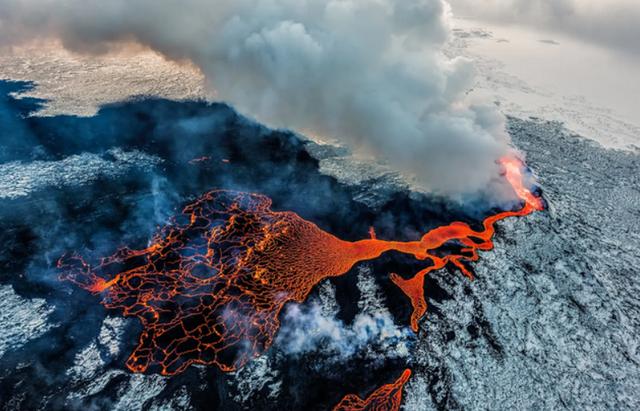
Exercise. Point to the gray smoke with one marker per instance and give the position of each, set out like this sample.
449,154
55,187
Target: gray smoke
612,23
369,73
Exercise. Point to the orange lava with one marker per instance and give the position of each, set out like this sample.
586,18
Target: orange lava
387,398
211,285
197,160
473,241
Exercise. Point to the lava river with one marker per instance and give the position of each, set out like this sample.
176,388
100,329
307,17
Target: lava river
210,287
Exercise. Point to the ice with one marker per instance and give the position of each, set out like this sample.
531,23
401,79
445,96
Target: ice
21,319
19,179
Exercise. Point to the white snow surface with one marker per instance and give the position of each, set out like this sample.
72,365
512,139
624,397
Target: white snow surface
529,72
19,178
79,84
21,319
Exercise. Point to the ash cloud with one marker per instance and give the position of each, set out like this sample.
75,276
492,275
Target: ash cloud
611,23
369,72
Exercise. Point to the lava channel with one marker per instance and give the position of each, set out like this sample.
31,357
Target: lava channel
387,398
210,287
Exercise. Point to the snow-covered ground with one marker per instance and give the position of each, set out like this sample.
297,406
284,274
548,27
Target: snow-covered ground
552,320
591,89
19,179
80,84
21,319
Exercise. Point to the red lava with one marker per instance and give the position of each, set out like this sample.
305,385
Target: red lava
210,287
388,397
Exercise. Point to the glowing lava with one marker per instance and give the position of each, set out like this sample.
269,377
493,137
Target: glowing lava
210,287
388,397
472,240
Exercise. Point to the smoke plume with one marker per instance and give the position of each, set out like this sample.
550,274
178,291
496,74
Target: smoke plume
369,73
315,328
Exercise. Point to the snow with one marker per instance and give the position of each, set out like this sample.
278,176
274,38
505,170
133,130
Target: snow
19,179
591,89
80,84
552,319
21,319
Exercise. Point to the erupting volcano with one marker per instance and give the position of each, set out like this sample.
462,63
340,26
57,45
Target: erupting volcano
210,287
471,240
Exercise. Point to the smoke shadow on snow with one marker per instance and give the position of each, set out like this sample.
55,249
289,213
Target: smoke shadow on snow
93,184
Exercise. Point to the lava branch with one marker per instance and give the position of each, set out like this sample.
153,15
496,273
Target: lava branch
388,397
473,241
210,287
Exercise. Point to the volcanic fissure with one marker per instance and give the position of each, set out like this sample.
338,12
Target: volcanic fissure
211,285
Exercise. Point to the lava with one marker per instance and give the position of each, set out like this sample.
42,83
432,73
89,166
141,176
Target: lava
211,285
387,398
473,241
197,160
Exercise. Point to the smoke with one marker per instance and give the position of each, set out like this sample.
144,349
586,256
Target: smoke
612,23
309,330
369,73
315,328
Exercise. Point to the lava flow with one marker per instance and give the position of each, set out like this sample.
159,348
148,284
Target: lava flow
210,287
472,241
387,398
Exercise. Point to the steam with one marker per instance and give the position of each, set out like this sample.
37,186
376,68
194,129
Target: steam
315,328
612,23
369,73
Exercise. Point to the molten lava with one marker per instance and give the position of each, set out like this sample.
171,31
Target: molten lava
211,285
388,397
197,160
472,241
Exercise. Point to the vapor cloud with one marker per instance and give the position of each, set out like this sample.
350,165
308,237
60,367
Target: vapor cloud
367,72
612,23
315,328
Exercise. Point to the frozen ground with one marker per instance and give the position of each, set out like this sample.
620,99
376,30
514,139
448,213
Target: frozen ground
77,84
19,179
547,75
552,322
21,319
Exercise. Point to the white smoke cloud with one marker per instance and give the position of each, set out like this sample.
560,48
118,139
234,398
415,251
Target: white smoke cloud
315,328
367,72
612,23
374,335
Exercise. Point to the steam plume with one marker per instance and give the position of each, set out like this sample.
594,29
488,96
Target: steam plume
367,72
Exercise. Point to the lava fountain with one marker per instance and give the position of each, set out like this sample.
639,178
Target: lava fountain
210,287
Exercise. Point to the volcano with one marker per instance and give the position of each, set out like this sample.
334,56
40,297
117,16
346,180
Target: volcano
208,285
209,290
